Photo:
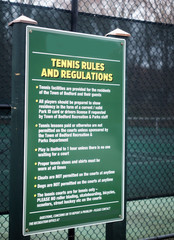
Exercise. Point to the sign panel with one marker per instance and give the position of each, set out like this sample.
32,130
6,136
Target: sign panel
74,130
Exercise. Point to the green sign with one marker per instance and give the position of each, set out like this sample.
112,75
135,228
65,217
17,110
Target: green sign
74,130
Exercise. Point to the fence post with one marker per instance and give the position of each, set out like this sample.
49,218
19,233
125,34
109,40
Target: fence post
71,234
17,128
117,230
74,15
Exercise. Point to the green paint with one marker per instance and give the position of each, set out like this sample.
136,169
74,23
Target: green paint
74,130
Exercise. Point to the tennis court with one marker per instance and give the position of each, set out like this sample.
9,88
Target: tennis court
150,162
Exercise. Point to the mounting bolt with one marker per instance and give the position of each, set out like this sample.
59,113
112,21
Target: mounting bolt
27,230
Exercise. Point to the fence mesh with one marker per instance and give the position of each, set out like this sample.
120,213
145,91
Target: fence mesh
150,101
4,169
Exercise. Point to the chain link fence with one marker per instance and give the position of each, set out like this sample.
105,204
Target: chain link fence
150,101
4,168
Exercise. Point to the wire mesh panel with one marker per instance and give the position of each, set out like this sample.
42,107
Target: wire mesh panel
150,101
5,138
96,232
155,11
4,224
4,158
6,55
149,218
60,235
5,116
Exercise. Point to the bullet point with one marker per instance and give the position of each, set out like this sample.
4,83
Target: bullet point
35,149
36,125
36,86
35,163
35,195
35,178
36,100
35,185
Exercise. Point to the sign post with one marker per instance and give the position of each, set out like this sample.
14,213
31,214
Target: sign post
117,230
74,130
17,128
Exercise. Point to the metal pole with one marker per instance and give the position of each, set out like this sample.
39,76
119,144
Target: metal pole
74,15
71,234
117,230
5,106
17,132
